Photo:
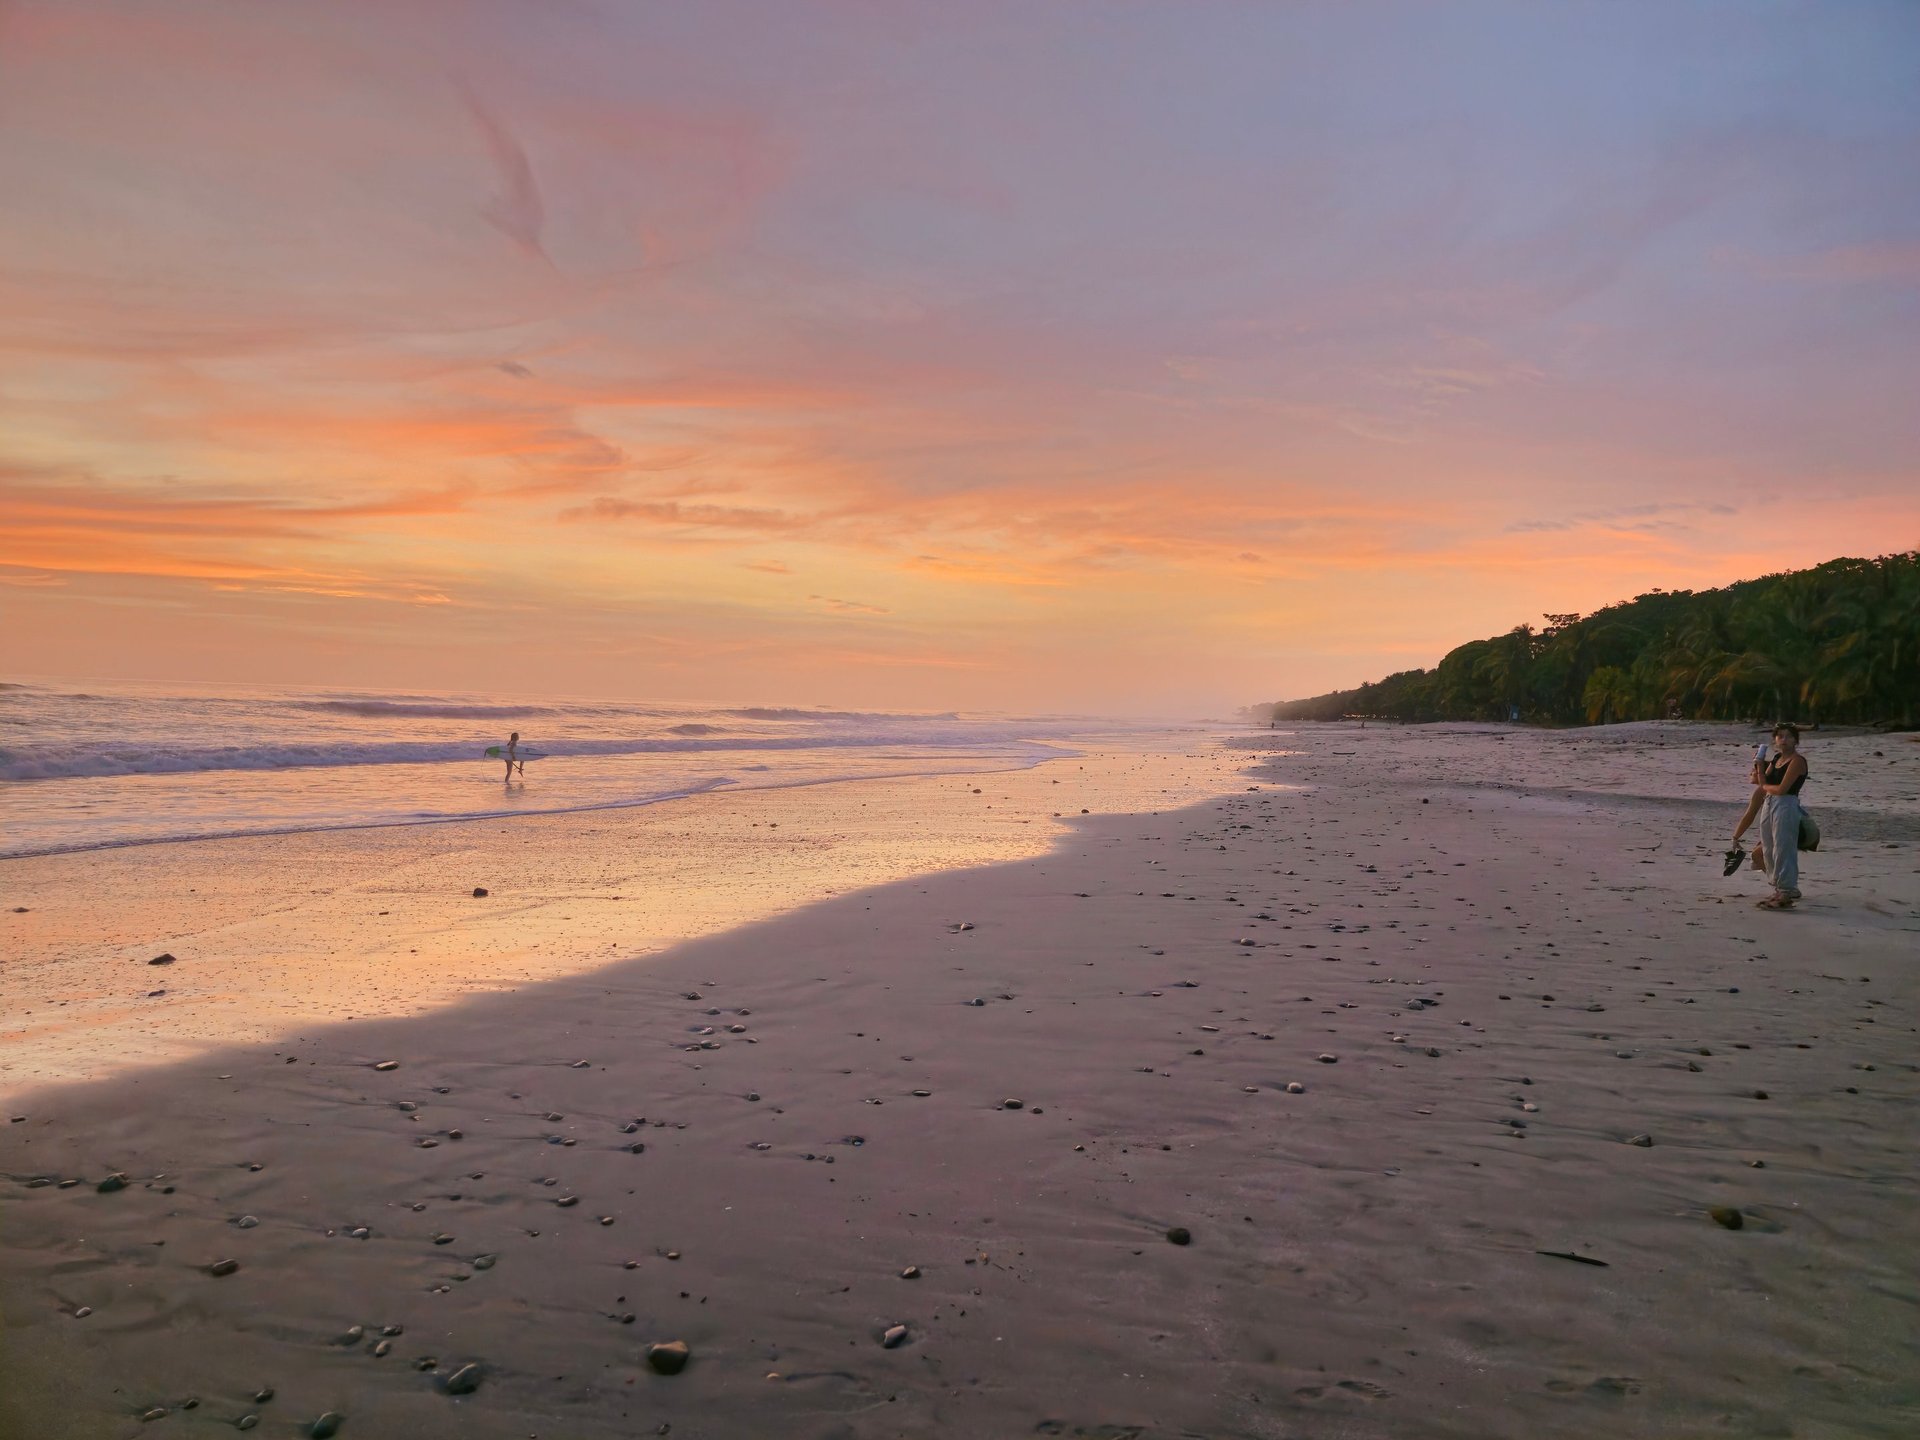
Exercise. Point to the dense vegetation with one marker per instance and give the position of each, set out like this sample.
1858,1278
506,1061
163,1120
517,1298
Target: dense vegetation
1839,643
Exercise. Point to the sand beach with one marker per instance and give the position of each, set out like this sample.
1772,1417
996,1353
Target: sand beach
1388,1085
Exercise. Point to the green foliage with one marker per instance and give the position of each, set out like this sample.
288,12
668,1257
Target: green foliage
1839,643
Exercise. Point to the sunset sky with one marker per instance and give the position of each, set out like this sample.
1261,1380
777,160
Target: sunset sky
1158,357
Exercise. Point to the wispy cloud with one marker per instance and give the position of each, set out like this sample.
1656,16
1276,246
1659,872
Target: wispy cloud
849,607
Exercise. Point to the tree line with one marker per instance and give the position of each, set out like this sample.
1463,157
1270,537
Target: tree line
1836,644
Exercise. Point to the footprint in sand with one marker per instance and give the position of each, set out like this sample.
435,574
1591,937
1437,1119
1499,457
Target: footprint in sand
1364,1388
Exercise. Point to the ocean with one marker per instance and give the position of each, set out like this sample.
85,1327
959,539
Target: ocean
91,764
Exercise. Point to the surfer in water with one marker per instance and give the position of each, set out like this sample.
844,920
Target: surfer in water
512,757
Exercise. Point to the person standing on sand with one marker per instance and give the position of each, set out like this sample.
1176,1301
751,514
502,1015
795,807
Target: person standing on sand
1781,779
513,757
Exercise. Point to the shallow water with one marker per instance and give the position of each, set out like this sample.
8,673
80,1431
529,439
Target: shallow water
89,764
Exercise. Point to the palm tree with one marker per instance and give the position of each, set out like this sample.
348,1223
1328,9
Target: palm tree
1608,695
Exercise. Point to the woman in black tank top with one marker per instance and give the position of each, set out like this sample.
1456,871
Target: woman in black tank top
1781,779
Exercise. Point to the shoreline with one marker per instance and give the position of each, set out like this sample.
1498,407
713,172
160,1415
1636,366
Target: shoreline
1514,989
277,932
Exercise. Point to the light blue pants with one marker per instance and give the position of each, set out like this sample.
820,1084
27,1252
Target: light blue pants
1780,843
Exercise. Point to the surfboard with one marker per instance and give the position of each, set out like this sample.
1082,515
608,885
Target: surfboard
499,752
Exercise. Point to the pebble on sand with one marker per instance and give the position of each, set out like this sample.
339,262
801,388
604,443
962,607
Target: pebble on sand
668,1357
464,1381
1294,1087
113,1182
1727,1216
894,1338
386,1065
223,1267
912,1272
161,960
327,1426
1643,1141
479,892
1180,1235
1329,1059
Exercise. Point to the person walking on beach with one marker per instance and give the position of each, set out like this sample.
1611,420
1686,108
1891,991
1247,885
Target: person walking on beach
512,754
1781,779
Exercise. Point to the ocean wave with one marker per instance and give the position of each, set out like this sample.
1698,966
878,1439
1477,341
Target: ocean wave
775,712
403,709
104,758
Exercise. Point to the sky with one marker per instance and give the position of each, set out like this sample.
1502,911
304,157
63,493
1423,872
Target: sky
1145,357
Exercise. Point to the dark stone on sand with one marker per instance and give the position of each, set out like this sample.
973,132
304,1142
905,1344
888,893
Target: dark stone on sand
464,1381
261,1397
1759,1094
1727,1216
485,1262
223,1267
161,960
894,1338
1329,1059
456,1134
668,1357
158,1412
1643,1141
246,1422
567,1201
976,1002
1180,1235
327,1426
912,1272
113,1182
353,1335
637,1149
426,1142
479,892
1013,1104
381,1348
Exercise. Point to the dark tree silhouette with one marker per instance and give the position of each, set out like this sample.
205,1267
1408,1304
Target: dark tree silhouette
1838,644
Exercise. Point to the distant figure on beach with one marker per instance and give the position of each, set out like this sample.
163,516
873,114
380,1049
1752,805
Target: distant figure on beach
1779,781
512,755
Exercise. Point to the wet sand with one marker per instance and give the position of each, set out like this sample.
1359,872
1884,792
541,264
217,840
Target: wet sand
1490,960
